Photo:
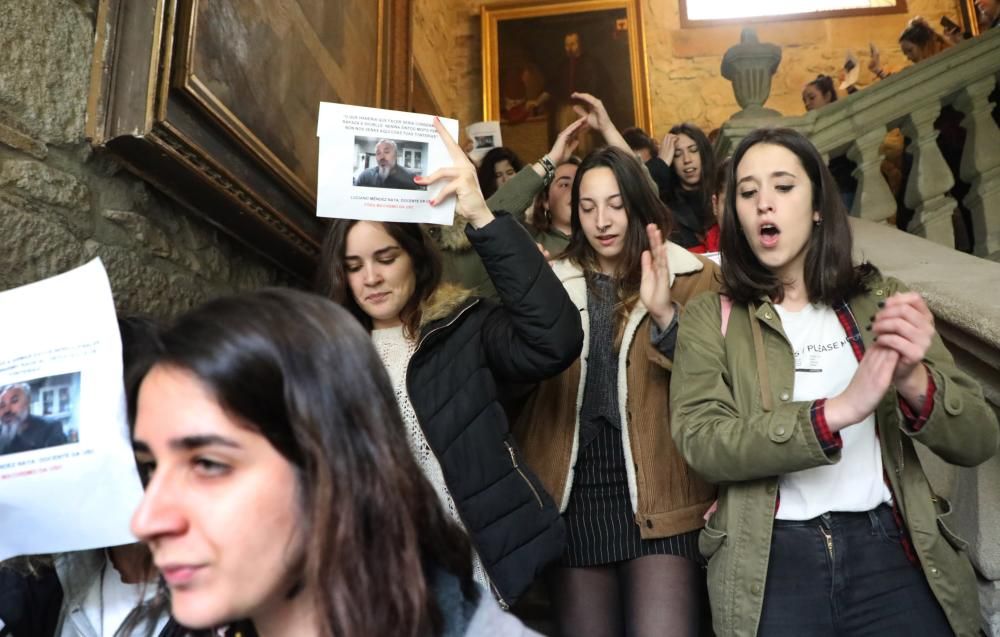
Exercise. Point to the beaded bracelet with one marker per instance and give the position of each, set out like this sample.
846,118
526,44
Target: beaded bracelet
550,169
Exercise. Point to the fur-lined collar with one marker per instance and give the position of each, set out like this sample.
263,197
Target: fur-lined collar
452,237
444,301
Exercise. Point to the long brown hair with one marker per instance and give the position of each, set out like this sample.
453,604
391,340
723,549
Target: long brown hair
331,275
830,275
922,35
300,372
541,219
642,205
706,187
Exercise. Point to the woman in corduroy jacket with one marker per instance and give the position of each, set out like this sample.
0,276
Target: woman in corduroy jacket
802,393
453,356
598,435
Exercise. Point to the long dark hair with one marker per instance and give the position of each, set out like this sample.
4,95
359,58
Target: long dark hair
643,207
541,219
706,187
300,372
824,84
331,275
922,35
486,173
830,275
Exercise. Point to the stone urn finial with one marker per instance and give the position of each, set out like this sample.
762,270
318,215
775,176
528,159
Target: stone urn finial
750,65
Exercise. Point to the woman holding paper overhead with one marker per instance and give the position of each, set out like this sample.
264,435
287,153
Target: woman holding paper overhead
281,491
452,356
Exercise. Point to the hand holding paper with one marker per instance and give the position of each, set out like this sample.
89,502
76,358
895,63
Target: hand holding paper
463,185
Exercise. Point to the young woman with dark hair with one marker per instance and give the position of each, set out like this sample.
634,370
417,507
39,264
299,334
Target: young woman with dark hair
819,92
550,224
801,393
684,172
452,355
281,491
599,434
497,167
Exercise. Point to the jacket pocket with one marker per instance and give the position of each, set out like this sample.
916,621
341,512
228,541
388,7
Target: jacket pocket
710,541
943,521
521,472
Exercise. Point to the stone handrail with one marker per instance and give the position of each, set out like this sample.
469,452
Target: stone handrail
962,291
964,76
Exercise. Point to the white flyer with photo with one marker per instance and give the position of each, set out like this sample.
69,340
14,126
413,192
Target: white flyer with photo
485,137
368,158
68,479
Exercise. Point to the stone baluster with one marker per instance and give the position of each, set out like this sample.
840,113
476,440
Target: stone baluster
750,65
873,198
930,179
981,165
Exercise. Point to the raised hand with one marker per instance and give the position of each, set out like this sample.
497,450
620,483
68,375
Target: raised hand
598,119
464,185
906,326
668,147
654,287
871,380
567,141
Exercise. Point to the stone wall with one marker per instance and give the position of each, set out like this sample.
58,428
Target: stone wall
61,203
684,79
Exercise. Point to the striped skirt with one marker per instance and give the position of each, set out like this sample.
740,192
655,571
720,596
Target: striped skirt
600,524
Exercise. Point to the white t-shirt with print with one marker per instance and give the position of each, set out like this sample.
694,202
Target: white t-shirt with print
824,366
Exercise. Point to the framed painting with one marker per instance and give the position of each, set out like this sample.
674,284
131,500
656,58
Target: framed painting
535,56
701,13
215,102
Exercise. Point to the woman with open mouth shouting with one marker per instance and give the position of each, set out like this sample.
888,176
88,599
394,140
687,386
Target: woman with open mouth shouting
801,393
598,435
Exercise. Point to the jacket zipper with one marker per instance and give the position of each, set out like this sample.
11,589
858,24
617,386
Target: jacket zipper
513,460
496,594
489,578
437,329
829,541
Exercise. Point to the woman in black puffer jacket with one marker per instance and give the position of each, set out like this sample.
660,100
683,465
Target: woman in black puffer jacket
452,356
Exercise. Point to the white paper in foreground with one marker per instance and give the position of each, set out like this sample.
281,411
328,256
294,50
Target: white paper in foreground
60,341
359,180
485,137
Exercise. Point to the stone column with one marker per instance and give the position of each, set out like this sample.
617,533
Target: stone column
750,65
930,179
981,165
873,199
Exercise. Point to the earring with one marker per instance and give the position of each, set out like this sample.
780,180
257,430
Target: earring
818,222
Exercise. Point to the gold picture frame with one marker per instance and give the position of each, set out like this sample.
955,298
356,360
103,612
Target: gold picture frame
214,103
525,54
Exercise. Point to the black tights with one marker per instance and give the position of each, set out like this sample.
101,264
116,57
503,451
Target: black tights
653,595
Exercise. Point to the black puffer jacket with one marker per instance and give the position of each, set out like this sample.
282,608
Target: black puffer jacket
469,350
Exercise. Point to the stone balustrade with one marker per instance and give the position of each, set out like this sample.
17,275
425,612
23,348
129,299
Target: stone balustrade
962,291
963,77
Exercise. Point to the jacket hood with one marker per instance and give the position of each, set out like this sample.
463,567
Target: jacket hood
453,237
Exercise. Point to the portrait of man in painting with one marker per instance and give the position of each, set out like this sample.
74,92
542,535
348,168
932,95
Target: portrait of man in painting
543,60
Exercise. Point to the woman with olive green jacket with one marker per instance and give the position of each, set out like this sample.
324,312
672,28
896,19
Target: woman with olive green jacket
739,429
826,522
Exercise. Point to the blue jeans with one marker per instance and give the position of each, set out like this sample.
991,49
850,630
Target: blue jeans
846,574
